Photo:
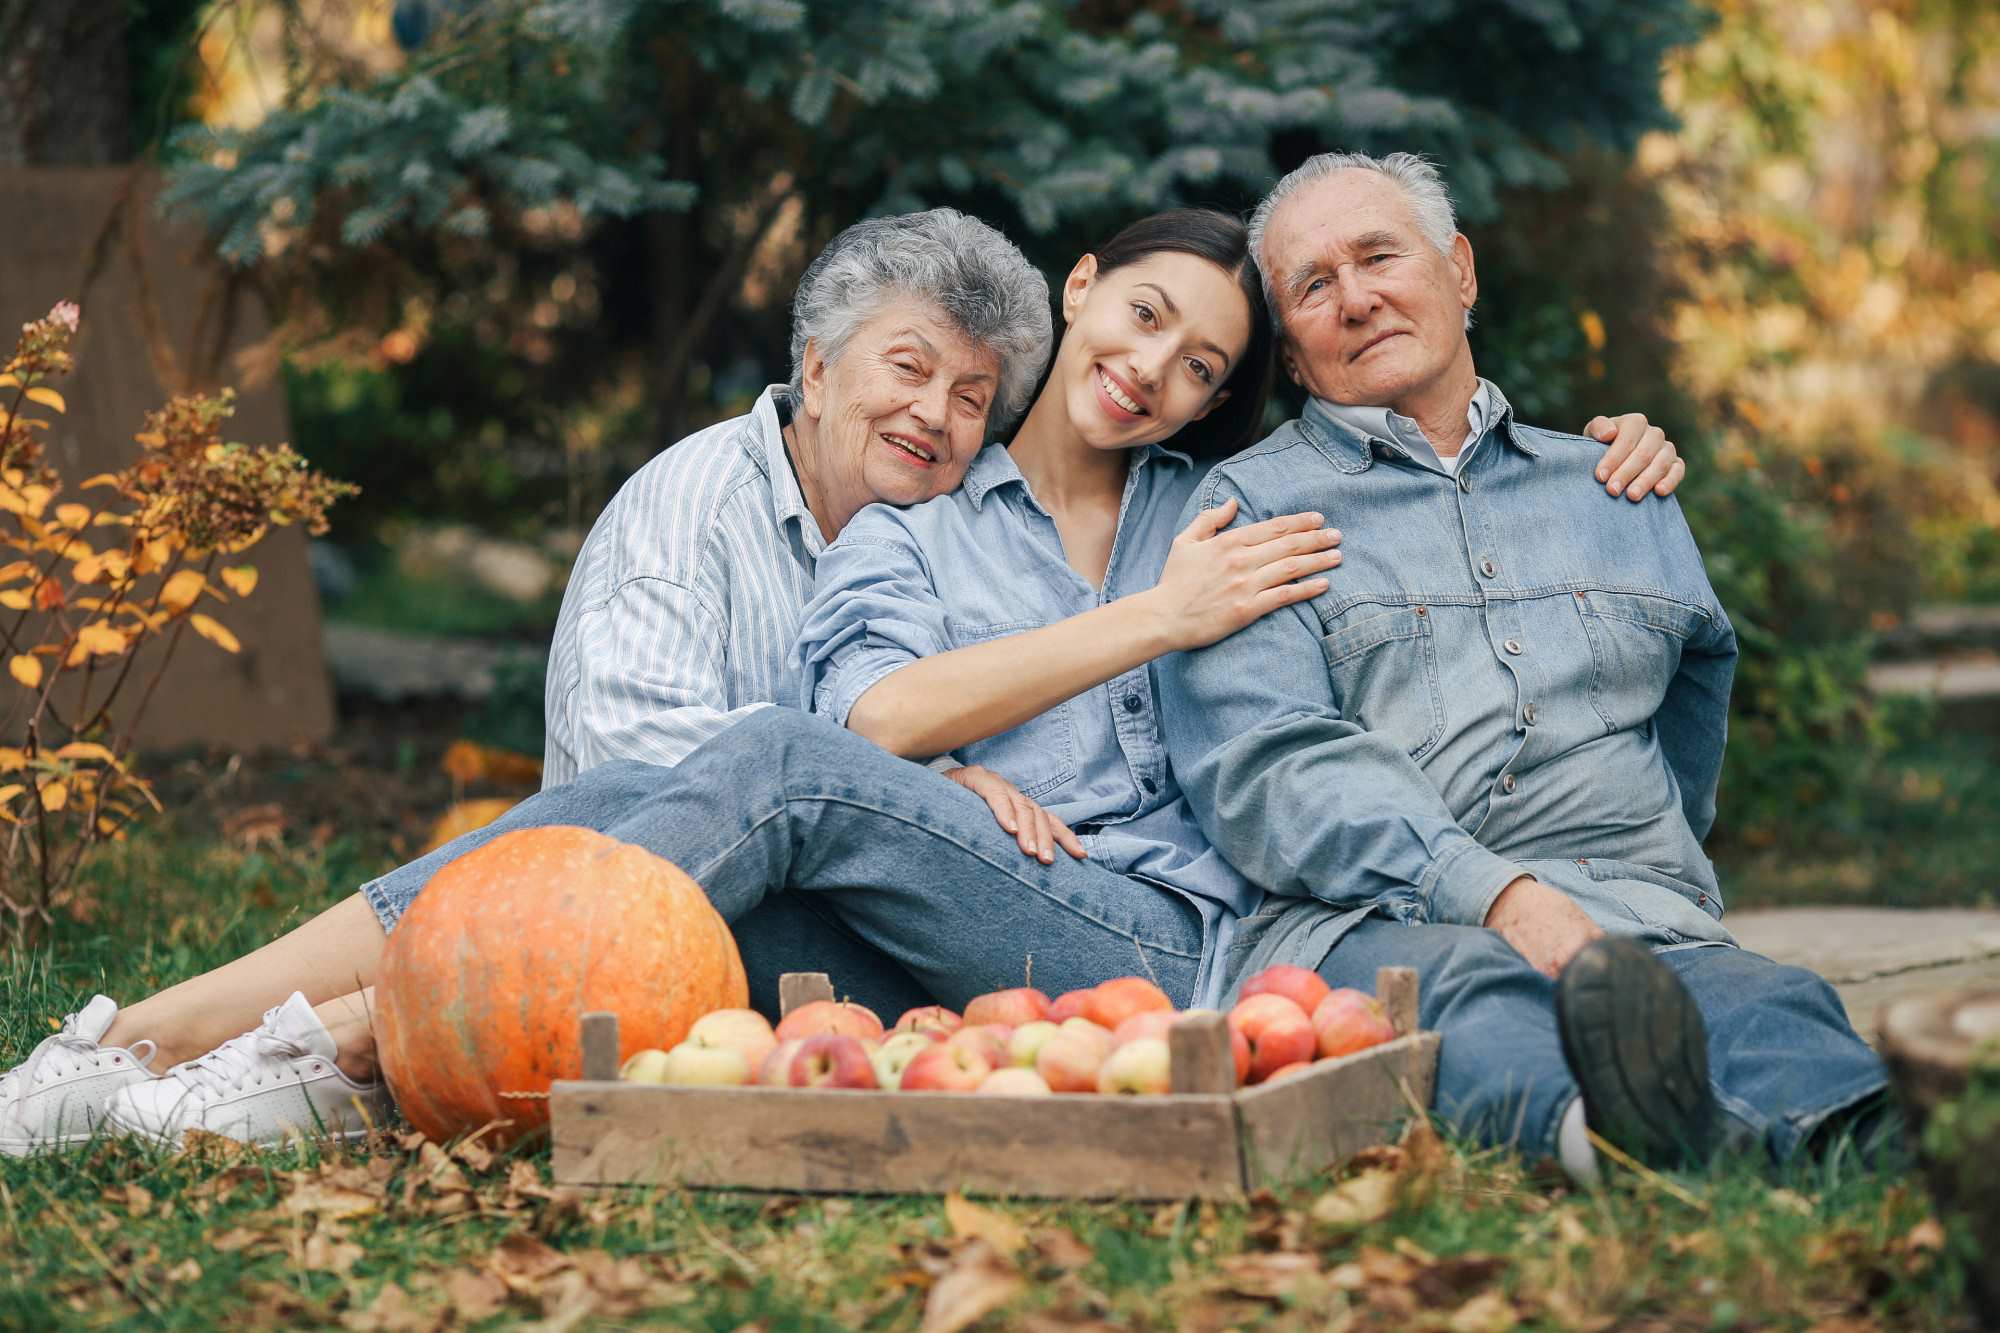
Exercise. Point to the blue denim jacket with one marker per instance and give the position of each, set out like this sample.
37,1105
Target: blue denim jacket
984,562
1512,673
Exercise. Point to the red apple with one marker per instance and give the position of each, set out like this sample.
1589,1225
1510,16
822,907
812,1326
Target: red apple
832,1060
1117,1000
1301,985
1072,1004
946,1068
1069,1061
1279,1033
776,1069
822,1017
1349,1020
1014,1082
742,1030
1140,1066
893,1056
1023,1004
988,1039
929,1018
1152,1023
1295,1067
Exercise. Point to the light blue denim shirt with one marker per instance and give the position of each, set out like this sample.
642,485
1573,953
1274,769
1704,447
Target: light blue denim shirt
1513,673
985,562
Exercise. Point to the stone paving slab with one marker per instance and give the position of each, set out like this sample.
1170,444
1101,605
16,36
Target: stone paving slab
1876,955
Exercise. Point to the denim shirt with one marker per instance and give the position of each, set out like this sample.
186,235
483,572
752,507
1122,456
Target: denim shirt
985,562
1513,673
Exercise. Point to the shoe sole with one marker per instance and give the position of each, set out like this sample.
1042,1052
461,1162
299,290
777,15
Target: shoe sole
173,1140
1636,1043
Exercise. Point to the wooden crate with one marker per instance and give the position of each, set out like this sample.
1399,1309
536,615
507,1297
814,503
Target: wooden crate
1203,1140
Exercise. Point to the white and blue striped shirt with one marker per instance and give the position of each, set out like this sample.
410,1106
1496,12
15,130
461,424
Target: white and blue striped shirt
684,602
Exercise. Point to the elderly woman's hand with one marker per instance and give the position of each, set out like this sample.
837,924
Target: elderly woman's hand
1640,459
1038,831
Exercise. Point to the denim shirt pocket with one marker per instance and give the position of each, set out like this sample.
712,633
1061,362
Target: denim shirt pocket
1039,755
1384,667
1635,648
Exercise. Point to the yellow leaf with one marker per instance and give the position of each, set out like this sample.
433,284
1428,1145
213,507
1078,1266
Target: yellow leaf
101,479
100,640
12,500
182,590
10,791
55,795
12,760
26,670
10,381
72,516
48,398
214,453
112,521
87,750
214,632
78,655
20,569
14,599
38,497
90,565
242,579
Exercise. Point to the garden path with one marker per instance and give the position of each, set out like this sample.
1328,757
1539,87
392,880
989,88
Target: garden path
1876,955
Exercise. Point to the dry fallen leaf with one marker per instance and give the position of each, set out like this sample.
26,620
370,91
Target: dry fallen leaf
326,1251
1058,1247
1278,1276
978,1283
1368,1197
524,1262
329,1200
973,1222
1488,1312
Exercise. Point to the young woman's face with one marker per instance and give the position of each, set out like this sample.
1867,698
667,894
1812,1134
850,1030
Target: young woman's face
1148,346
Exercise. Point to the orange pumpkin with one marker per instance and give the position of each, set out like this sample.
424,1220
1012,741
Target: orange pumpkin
485,977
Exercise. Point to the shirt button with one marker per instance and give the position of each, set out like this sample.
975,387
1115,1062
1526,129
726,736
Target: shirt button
1513,647
1464,483
1528,714
1488,568
1507,784
1152,787
1132,704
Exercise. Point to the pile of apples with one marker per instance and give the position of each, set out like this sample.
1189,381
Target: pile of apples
1111,1038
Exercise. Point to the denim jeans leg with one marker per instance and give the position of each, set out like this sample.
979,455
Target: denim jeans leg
789,932
1501,1075
1781,1053
912,864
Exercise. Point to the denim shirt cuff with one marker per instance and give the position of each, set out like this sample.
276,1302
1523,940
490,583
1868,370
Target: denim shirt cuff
856,674
944,763
1461,885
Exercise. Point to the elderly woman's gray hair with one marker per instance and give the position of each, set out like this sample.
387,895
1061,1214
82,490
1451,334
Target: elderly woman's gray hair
1423,185
975,277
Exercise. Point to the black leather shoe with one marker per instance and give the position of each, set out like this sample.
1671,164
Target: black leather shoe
1639,1051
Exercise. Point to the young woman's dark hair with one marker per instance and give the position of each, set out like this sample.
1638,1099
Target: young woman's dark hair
1223,241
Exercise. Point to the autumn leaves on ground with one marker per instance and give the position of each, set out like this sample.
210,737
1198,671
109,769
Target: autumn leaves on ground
411,1236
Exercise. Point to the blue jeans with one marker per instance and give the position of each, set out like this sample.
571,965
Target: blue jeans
1782,1057
868,861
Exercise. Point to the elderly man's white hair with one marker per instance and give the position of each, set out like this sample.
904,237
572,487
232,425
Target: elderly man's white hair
968,272
1422,184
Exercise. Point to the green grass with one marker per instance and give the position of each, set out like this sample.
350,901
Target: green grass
403,1236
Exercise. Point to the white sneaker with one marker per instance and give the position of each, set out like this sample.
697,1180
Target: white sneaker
56,1097
263,1087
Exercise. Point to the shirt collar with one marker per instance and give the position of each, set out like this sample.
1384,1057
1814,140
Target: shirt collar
994,467
1358,427
768,417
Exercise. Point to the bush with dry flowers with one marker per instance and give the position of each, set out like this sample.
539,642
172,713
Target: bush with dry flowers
89,581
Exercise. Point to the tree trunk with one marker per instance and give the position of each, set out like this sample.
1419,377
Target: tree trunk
65,83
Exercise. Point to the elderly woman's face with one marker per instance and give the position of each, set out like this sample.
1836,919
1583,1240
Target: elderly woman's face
902,412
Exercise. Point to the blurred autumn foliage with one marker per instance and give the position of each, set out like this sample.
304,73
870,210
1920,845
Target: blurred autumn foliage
82,611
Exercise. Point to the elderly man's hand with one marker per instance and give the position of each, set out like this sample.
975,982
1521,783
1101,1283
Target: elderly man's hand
1543,924
1640,459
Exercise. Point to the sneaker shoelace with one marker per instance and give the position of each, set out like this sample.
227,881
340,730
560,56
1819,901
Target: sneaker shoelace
67,1051
238,1061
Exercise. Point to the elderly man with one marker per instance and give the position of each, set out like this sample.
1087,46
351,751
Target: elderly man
1495,741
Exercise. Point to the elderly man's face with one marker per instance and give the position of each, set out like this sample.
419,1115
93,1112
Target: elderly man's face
900,415
1373,315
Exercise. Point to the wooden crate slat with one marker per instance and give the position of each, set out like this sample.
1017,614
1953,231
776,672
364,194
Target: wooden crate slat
801,1140
1335,1109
